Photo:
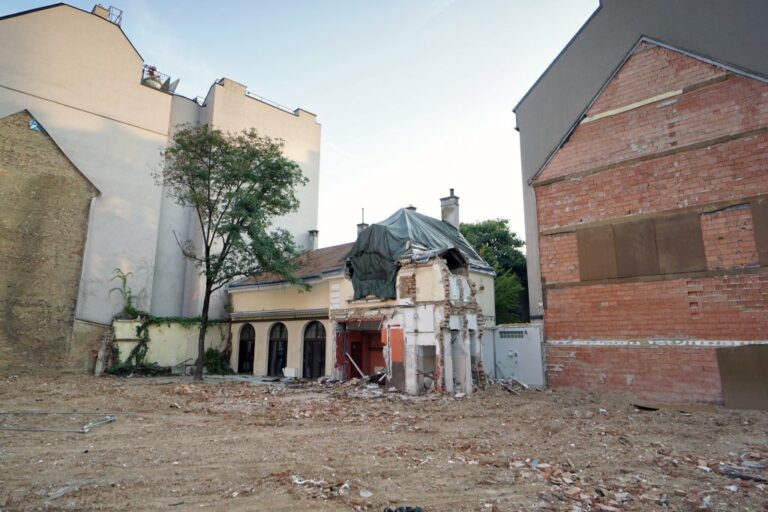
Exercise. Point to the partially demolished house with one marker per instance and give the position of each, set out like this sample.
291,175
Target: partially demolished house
407,301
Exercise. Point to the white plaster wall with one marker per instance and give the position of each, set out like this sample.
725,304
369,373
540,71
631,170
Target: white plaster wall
170,264
228,108
80,77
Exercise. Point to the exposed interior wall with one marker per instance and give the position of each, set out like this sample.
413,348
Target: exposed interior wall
650,228
45,208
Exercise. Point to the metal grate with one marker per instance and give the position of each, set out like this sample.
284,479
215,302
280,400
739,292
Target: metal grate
512,334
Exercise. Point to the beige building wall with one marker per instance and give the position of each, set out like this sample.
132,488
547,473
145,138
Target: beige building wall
296,329
280,296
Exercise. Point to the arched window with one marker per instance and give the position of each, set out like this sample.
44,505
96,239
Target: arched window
245,350
314,351
278,350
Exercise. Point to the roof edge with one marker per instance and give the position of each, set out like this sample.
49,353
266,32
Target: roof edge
63,4
642,39
557,57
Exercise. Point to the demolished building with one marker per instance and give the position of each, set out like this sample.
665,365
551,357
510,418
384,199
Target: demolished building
408,301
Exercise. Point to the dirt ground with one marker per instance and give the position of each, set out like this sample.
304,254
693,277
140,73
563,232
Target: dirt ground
237,446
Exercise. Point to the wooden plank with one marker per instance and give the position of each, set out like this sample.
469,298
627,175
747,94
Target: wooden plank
760,222
744,376
635,244
597,257
680,244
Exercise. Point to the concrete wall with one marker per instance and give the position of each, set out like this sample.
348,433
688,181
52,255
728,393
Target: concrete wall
45,207
170,343
670,135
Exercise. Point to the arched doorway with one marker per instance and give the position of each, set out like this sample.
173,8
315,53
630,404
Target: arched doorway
314,351
278,350
245,350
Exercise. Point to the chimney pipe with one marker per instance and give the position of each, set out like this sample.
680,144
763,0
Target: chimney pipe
313,239
449,209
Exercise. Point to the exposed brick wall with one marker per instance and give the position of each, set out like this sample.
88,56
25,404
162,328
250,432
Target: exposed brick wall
45,204
732,106
709,308
728,171
650,71
559,258
729,238
660,373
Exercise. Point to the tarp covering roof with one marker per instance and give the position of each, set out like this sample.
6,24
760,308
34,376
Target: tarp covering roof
406,234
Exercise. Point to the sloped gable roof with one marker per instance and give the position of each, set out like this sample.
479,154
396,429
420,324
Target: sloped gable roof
312,264
731,33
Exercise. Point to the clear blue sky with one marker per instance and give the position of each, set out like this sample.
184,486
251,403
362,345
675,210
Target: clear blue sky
414,96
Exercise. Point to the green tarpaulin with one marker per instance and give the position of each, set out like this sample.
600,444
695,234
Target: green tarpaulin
406,234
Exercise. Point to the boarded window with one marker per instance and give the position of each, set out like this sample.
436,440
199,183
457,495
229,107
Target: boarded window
680,244
597,257
760,221
635,244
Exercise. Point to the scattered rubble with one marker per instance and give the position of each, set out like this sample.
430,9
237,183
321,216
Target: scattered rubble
347,446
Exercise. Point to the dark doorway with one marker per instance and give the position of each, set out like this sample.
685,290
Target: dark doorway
278,350
314,351
245,351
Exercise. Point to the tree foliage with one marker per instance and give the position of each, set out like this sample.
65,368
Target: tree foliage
236,184
500,247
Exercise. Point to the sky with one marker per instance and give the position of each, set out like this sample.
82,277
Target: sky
414,96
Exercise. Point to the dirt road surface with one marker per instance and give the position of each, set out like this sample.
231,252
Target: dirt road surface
236,446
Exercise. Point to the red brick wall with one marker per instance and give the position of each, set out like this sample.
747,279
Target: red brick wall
559,258
652,71
729,238
711,308
650,372
627,315
722,109
724,172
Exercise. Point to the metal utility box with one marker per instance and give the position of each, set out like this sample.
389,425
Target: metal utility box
514,352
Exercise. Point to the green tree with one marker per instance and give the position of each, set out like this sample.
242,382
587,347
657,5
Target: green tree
236,184
500,247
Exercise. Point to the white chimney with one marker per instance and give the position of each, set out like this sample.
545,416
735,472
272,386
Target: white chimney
313,233
449,209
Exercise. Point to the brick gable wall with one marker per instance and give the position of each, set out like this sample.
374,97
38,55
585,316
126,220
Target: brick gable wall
703,150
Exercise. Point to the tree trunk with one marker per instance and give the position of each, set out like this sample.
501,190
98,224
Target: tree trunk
201,335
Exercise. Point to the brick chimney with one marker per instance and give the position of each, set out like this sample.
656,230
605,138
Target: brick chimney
449,209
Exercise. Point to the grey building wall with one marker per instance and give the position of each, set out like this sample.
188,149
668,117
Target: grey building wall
732,32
